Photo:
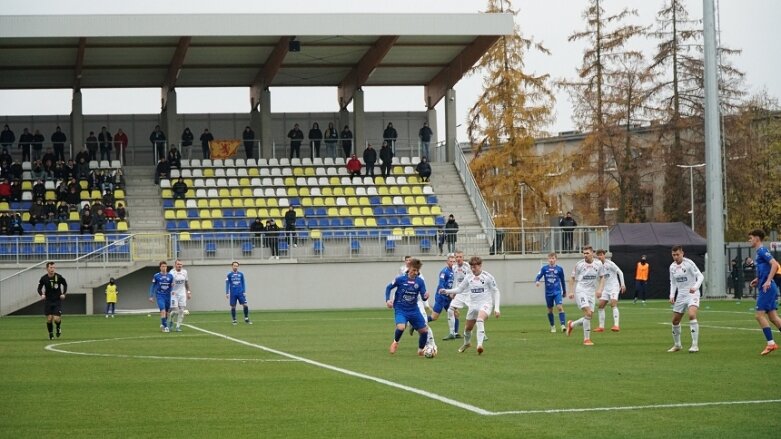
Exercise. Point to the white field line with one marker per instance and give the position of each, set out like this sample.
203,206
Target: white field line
54,348
730,328
635,407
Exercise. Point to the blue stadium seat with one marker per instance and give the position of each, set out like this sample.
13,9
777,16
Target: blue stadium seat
227,213
300,223
335,222
295,201
168,204
210,248
230,224
283,246
309,211
242,224
218,224
355,246
362,234
406,221
247,247
378,211
311,223
382,222
239,213
390,210
401,210
321,211
390,245
318,247
431,199
394,221
440,221
425,245
323,222
375,201
182,225
192,213
348,222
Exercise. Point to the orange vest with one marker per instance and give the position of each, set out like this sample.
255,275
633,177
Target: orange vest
642,271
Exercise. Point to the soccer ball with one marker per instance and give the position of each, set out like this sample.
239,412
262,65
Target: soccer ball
430,351
187,312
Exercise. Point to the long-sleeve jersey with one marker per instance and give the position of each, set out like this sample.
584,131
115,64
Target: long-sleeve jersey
407,292
478,287
762,262
684,277
161,284
614,277
554,279
587,276
52,286
234,283
446,278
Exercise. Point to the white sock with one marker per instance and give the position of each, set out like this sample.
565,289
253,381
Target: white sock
430,333
695,329
586,328
615,316
171,315
577,322
601,312
677,335
179,316
467,337
480,332
451,320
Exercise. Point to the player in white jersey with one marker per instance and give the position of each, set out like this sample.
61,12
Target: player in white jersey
422,304
685,279
588,278
484,297
614,284
460,270
180,292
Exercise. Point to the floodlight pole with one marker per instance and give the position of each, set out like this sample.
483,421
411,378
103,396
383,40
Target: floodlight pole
691,186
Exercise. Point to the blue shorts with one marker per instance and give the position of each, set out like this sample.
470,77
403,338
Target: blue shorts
441,301
164,302
766,300
238,297
553,300
414,317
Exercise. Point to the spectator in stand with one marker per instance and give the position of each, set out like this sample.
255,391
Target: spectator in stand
174,158
347,141
354,167
121,211
16,189
104,141
451,233
83,154
424,169
39,190
36,173
25,143
58,143
272,235
37,212
179,189
386,159
82,169
51,212
390,135
248,136
5,158
73,198
369,159
290,226
315,137
118,177
157,138
111,215
331,139
568,225
15,227
205,138
296,136
85,222
120,145
5,190
187,138
163,170
7,137
69,170
38,140
107,185
92,146
108,199
63,212
258,228
5,222
99,220
425,135
48,156
16,170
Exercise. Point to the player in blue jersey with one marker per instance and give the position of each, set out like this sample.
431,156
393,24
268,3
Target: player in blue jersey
409,288
555,289
442,301
160,291
767,291
235,291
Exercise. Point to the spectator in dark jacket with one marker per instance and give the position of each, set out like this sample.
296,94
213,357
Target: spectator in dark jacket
272,235
315,137
331,139
296,136
157,138
25,143
179,189
347,141
451,233
174,158
92,146
390,135
105,140
425,134
386,159
369,159
249,141
7,137
58,143
424,169
206,137
290,226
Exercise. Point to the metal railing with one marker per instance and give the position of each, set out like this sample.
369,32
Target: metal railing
473,191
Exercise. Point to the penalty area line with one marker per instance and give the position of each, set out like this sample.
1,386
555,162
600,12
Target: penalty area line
635,407
434,396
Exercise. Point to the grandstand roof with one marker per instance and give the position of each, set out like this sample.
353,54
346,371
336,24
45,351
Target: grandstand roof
234,50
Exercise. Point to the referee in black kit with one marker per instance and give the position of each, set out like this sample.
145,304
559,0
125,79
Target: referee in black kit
52,288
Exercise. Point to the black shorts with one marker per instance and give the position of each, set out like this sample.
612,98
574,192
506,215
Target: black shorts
52,307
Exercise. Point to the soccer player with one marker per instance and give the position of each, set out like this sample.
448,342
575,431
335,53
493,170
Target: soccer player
160,290
52,288
484,297
555,289
614,284
685,279
235,289
409,289
460,271
180,293
588,279
442,301
111,298
422,304
767,291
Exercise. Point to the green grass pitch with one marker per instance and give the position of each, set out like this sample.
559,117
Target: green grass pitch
328,374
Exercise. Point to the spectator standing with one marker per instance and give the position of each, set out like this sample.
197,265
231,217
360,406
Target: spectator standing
187,138
92,146
296,136
315,137
424,169
163,170
568,225
157,138
258,228
25,143
120,145
111,298
58,143
290,226
641,278
331,139
736,278
386,159
249,141
748,273
451,232
7,137
104,139
272,233
390,135
347,141
206,137
354,167
369,159
425,135
38,140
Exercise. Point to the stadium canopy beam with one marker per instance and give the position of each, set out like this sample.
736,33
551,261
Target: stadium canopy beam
175,66
364,68
448,77
78,68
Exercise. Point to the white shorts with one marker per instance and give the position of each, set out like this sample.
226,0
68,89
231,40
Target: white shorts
685,300
178,300
584,300
487,306
460,301
609,295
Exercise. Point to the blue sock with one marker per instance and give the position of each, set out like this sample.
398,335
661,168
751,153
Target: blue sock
428,318
562,318
233,313
397,335
422,339
246,312
550,318
455,327
768,333
164,322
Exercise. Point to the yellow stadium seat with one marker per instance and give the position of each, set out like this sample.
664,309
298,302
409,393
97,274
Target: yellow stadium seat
208,172
73,216
367,211
428,221
274,212
330,201
95,194
303,192
83,184
409,231
165,193
338,192
409,200
206,225
263,212
360,222
417,190
355,211
26,216
364,201
334,181
179,204
425,210
122,226
371,222
246,192
195,225
203,203
344,211
184,236
397,231
298,172
420,199
386,201
413,210
224,193
290,181
251,213
306,202
436,210
204,213
417,221
39,238
318,202
84,195
253,172
272,202
292,192
27,185
168,214
394,190
315,234
214,203
235,192
62,227
244,182
332,211
309,172
249,202
181,214
349,191
99,237
398,170
226,202
260,202
299,212
406,190
327,192
119,194
382,191
216,213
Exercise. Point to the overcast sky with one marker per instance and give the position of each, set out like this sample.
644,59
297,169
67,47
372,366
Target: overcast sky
750,25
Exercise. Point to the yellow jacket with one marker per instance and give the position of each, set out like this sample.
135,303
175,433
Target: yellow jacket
111,293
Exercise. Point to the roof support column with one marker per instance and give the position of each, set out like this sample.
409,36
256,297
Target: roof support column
433,149
263,113
169,122
450,125
359,121
344,119
77,124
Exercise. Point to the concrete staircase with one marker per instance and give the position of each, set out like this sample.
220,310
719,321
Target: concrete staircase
144,204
